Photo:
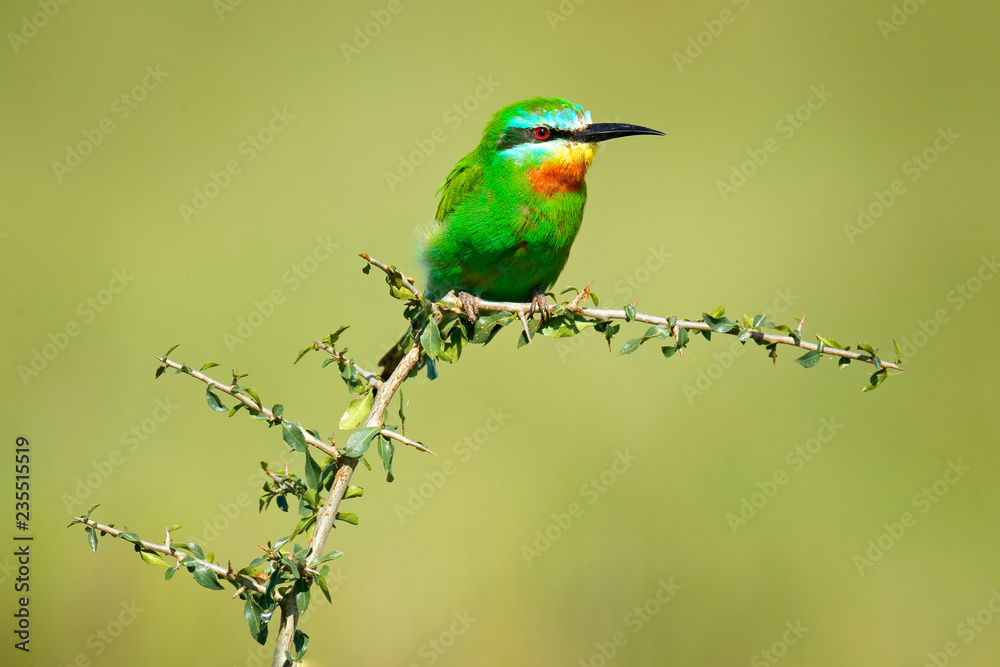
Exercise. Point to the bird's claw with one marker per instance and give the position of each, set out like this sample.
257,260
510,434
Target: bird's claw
540,305
469,306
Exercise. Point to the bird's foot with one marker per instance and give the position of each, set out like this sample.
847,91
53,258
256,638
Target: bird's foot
540,305
469,306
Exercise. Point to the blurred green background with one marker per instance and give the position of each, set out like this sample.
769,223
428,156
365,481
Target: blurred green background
122,223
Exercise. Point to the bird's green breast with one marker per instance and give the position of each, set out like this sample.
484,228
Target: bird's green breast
504,239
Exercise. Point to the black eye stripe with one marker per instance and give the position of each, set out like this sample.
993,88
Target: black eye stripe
514,136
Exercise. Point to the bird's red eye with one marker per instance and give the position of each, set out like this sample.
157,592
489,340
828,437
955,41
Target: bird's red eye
541,133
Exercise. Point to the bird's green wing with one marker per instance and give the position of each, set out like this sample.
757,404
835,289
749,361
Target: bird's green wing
463,179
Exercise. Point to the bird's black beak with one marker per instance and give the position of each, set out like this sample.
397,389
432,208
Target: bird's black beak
604,131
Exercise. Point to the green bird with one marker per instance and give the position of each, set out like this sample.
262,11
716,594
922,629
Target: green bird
511,209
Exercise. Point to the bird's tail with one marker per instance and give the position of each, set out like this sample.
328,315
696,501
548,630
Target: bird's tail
390,360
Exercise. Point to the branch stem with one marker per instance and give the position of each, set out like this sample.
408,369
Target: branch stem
522,309
328,449
286,635
327,514
167,550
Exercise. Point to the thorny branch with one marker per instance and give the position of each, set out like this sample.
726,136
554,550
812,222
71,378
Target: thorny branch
383,391
167,550
603,314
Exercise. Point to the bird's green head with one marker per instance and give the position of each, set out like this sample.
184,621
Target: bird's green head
550,139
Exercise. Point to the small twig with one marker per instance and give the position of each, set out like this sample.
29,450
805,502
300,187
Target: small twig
389,270
580,296
389,433
166,550
372,378
282,481
328,449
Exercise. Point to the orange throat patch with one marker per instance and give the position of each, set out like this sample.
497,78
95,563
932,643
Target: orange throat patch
559,176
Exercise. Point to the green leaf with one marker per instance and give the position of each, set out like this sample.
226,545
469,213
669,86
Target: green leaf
206,366
353,492
303,353
668,351
333,555
719,324
331,340
867,348
829,342
302,599
658,331
630,346
564,326
843,362
682,337
253,394
92,538
357,410
277,410
293,436
451,346
159,371
301,640
348,517
172,348
608,329
876,380
308,502
312,473
809,359
194,549
207,578
489,325
214,401
718,312
152,558
321,582
359,441
304,525
899,355
386,448
533,326
629,313
129,536
430,339
253,614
